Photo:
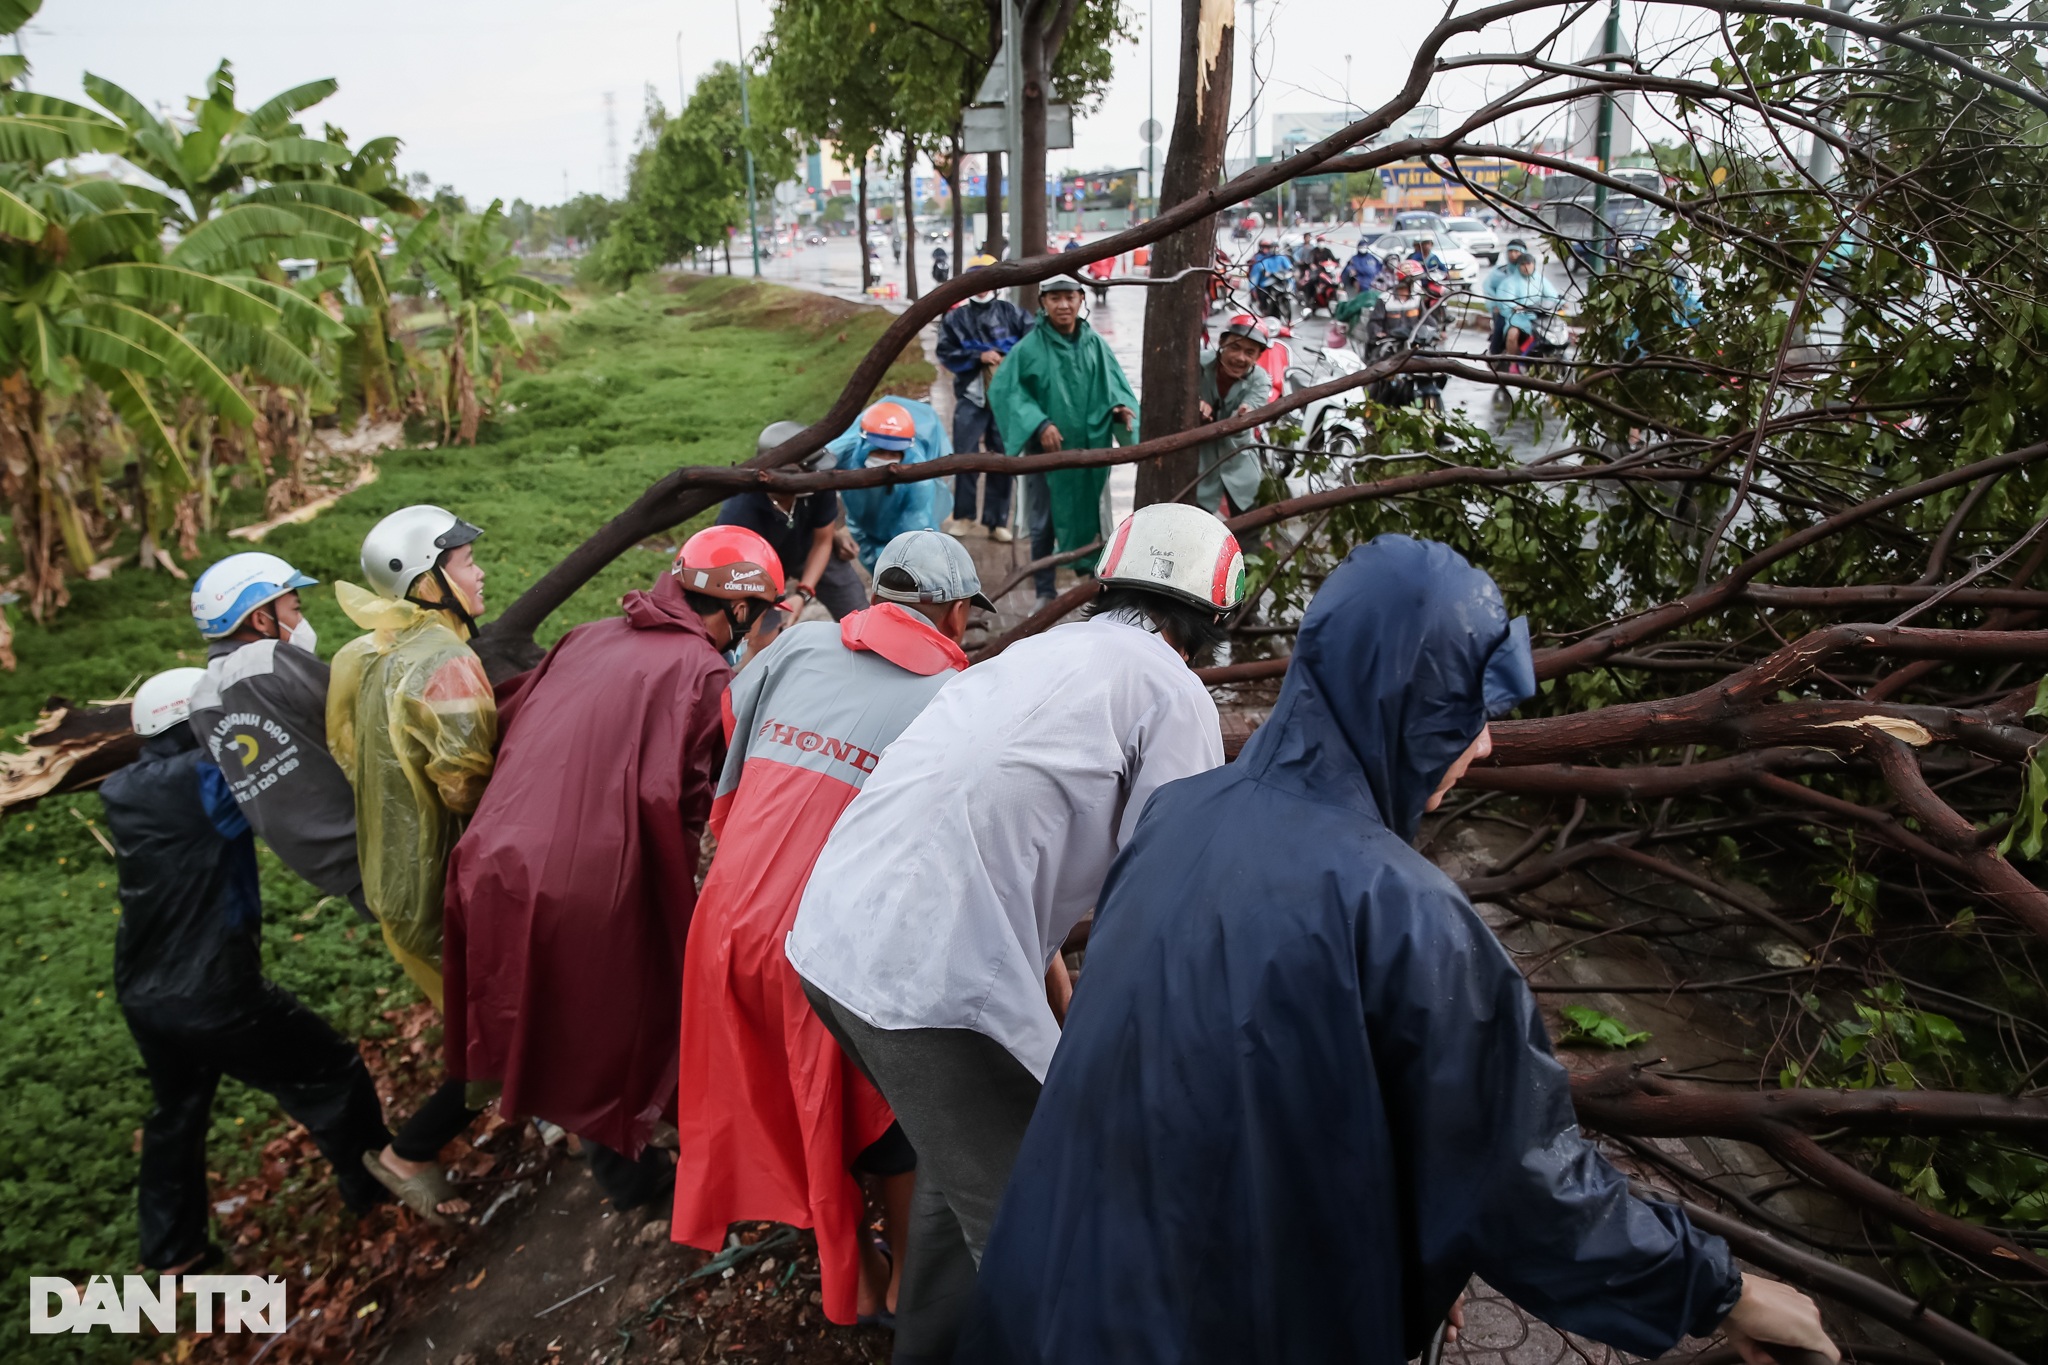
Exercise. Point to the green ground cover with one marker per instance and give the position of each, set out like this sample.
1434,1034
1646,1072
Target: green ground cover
631,386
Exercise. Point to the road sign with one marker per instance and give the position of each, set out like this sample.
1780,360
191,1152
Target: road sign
1149,130
983,128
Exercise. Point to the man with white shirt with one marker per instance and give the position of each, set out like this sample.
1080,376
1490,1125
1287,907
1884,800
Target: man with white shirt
938,906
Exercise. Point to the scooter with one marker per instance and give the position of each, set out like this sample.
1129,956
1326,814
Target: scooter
1275,299
1548,337
1324,288
1328,428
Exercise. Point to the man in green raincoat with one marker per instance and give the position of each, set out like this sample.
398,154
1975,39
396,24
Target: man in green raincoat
1060,388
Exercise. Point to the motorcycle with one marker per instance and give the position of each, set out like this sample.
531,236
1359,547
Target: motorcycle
1324,287
1275,299
1328,428
1548,336
1403,389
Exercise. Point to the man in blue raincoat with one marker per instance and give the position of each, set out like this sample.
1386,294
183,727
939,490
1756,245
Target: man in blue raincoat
1303,1094
892,431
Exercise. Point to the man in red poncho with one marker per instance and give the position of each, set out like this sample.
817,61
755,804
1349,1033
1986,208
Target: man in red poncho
570,894
773,1121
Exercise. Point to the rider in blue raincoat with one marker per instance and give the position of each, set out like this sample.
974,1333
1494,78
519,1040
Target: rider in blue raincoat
1303,1093
892,430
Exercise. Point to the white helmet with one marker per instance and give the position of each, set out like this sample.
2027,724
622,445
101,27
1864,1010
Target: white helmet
164,700
1179,550
227,592
410,542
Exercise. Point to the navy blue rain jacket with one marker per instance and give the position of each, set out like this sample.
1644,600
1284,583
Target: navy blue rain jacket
970,328
191,912
1303,1093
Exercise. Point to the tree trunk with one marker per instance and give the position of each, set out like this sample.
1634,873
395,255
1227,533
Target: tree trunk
992,204
1174,315
728,251
867,270
959,214
910,217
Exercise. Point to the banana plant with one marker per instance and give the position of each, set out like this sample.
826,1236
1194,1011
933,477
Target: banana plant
466,262
372,368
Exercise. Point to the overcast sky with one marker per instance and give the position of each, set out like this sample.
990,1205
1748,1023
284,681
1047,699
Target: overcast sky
506,98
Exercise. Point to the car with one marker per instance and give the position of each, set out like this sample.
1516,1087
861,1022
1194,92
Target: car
1416,220
1461,265
815,239
1476,237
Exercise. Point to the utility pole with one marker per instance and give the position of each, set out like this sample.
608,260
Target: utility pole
611,147
1603,145
1820,163
746,144
682,95
1013,119
1252,62
1151,114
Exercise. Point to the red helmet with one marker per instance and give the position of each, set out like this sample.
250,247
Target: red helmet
888,426
1408,270
729,562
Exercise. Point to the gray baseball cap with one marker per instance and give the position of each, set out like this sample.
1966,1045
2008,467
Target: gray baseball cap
928,566
1061,284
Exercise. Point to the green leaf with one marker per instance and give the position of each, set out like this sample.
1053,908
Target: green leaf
97,346
95,238
13,66
339,198
174,285
181,357
300,313
130,398
117,101
272,115
1584,1024
234,345
252,234
14,14
413,243
18,219
304,151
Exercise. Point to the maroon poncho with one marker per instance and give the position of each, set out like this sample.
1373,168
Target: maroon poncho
570,894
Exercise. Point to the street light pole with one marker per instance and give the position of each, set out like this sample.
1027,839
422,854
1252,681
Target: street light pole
1151,114
746,127
682,95
1603,144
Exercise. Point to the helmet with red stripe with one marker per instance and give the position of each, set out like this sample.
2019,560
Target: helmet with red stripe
1179,550
729,562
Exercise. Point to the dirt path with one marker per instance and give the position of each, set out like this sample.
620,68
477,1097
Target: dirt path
562,1277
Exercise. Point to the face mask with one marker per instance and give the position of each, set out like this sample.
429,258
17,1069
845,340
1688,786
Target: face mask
988,297
303,636
882,459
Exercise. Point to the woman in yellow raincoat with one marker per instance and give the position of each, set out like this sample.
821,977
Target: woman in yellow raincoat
411,721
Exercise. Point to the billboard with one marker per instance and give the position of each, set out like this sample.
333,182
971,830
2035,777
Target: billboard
1294,131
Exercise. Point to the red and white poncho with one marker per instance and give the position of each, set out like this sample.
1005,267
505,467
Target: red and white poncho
770,1113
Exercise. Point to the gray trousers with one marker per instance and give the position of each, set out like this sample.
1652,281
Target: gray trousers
964,1103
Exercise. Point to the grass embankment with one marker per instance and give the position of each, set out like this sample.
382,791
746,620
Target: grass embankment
631,387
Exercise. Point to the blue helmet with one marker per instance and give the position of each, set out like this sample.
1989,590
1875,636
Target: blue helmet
227,592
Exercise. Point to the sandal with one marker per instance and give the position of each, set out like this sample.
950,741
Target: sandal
423,1193
883,1318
